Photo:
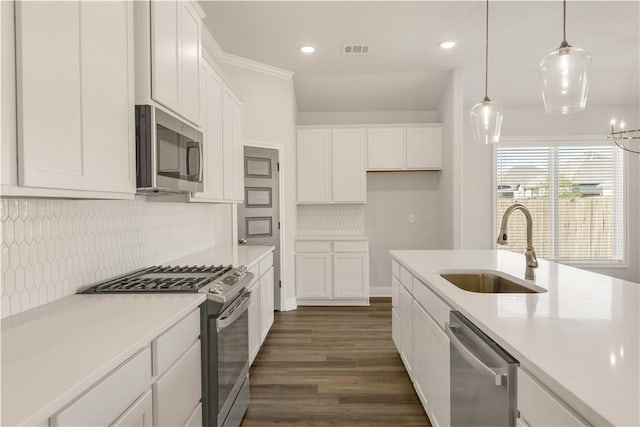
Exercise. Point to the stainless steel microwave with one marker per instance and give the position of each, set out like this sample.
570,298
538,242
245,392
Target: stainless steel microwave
168,153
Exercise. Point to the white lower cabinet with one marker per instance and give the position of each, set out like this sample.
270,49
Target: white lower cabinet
178,391
538,407
140,414
406,329
127,397
332,272
261,304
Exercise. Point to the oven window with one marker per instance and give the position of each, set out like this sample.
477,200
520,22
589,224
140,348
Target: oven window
233,355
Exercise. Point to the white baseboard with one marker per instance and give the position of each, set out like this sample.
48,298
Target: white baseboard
376,291
290,304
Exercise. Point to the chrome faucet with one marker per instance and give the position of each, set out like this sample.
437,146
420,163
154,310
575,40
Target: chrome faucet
530,253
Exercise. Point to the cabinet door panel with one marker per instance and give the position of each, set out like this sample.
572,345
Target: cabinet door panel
406,329
189,44
348,165
313,275
140,414
255,322
424,148
440,380
314,169
395,292
386,148
107,94
238,152
165,53
49,95
266,297
395,329
227,142
423,354
213,151
350,275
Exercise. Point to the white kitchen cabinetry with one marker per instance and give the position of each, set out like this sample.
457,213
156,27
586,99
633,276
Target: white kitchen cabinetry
75,97
261,303
418,318
332,272
331,165
175,56
107,400
538,407
222,125
140,414
232,148
404,148
314,165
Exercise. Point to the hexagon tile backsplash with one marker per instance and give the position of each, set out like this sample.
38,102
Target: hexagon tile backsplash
52,248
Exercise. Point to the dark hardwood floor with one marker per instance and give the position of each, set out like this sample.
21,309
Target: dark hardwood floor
332,366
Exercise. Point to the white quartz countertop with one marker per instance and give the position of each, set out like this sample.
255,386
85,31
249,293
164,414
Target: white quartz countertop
581,338
340,237
53,353
246,255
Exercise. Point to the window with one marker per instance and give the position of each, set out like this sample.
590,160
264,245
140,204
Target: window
576,197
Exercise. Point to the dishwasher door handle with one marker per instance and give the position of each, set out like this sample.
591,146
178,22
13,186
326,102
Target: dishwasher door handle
499,376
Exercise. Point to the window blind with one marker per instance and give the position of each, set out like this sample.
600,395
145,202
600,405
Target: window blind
575,195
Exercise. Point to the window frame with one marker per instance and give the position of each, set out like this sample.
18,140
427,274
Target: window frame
566,140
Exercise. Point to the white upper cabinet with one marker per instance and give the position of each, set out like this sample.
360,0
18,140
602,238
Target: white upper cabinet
386,148
314,168
331,166
232,146
348,164
75,96
408,148
168,55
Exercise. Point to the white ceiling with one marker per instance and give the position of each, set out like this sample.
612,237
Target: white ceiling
406,69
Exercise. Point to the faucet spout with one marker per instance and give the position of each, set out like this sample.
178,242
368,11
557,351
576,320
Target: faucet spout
530,253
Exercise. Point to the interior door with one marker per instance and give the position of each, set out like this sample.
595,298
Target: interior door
259,214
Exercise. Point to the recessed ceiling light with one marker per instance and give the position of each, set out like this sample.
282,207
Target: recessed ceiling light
447,44
307,49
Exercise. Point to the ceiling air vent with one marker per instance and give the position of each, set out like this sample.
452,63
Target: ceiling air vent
356,49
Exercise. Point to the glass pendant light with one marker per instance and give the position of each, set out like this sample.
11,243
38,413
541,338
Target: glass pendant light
563,73
486,116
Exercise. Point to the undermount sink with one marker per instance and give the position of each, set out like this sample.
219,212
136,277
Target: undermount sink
488,283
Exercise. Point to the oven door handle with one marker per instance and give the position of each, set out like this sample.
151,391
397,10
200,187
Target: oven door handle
236,312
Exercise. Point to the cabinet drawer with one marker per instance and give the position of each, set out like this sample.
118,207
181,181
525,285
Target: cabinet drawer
432,304
313,246
195,420
266,263
137,415
178,392
395,268
351,246
173,343
111,397
406,279
538,407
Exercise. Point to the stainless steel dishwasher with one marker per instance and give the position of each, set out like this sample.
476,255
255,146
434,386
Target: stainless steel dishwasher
483,377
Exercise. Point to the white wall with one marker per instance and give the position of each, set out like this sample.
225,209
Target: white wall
391,198
478,171
269,112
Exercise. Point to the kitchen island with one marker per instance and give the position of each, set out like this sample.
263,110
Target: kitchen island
579,339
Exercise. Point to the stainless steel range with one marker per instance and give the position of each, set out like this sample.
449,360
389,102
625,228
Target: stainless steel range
224,329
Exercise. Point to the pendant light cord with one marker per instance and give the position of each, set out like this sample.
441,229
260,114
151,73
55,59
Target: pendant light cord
564,43
486,56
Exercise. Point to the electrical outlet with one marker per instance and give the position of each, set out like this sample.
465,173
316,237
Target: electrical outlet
412,218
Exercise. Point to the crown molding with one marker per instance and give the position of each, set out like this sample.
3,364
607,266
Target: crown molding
249,64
